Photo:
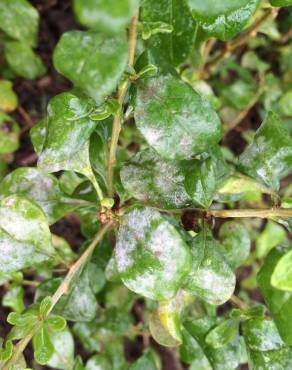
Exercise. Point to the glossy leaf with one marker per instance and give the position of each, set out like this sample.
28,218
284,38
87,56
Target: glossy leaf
278,301
23,60
272,235
236,243
149,178
68,120
174,119
223,333
40,188
25,238
265,347
92,62
43,347
20,20
269,157
146,361
81,303
9,134
8,98
63,355
222,20
151,254
200,355
211,278
108,16
173,47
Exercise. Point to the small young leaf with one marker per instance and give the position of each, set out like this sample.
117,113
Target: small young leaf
23,60
211,278
42,345
281,2
151,254
25,319
93,62
269,158
235,242
6,353
45,306
174,119
108,16
225,19
56,323
20,20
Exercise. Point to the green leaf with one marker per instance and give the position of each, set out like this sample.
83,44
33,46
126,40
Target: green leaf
6,353
201,356
152,179
174,119
8,98
281,2
9,134
235,242
151,254
201,181
285,104
238,94
42,345
23,60
56,323
282,278
20,20
98,362
14,298
211,278
93,62
63,354
67,135
279,302
269,158
176,46
41,188
265,347
109,16
22,319
225,19
145,362
223,333
272,235
25,238
165,324
80,304
45,306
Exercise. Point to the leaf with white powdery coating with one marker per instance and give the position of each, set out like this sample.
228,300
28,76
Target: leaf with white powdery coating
269,157
40,188
222,19
20,20
211,278
105,15
151,254
155,180
25,238
174,119
92,62
278,301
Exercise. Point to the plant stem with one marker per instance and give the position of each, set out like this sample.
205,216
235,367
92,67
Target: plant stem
239,41
249,213
239,303
63,289
117,123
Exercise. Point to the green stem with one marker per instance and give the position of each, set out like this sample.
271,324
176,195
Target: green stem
117,123
64,288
